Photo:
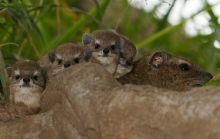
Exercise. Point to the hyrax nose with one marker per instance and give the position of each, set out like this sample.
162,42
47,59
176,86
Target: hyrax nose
106,51
26,80
128,62
209,76
66,65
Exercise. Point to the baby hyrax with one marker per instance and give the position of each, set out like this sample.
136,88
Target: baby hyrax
66,55
164,70
112,50
127,54
27,80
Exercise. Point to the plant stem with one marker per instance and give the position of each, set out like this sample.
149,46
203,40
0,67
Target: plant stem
4,79
10,43
158,35
75,28
168,29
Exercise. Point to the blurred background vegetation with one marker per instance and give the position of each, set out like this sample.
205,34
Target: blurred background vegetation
32,28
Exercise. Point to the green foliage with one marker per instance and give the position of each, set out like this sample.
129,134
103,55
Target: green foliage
39,26
4,80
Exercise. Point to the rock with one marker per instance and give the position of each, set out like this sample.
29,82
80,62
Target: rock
86,102
143,112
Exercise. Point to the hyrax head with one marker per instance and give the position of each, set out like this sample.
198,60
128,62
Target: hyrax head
108,41
66,55
103,43
127,51
105,48
27,74
127,54
167,71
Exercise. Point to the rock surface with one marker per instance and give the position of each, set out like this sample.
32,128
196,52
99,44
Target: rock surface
86,102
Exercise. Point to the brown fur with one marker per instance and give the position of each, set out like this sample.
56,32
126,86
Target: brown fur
24,95
164,70
128,49
121,50
64,56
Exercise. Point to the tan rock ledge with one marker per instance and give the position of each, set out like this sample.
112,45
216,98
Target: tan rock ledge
86,102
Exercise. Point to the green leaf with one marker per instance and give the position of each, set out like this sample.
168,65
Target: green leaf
76,26
4,80
2,20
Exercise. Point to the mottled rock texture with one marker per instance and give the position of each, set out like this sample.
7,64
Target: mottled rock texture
86,102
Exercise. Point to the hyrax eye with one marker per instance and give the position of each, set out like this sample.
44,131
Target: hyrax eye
97,46
76,60
17,77
113,47
184,67
35,77
59,61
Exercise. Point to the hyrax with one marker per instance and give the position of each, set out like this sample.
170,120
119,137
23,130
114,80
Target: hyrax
112,50
27,81
66,55
164,70
127,54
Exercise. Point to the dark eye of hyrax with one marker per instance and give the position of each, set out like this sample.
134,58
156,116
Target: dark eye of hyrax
17,77
97,46
59,61
35,77
184,67
76,60
129,63
113,47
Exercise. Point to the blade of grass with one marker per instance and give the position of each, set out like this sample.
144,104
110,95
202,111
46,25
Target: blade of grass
58,22
30,21
14,15
10,43
169,29
214,18
158,35
98,21
75,28
4,79
98,9
163,22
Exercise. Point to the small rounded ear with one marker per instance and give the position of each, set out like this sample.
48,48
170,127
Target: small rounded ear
87,54
9,71
86,38
44,71
122,42
127,48
158,58
51,57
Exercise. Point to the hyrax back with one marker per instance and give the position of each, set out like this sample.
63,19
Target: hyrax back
164,70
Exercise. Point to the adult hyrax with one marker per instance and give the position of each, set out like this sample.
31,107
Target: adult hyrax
112,50
164,70
64,56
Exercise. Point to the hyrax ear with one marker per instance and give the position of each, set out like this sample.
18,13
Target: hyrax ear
86,38
122,42
87,54
158,58
51,57
9,71
44,71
